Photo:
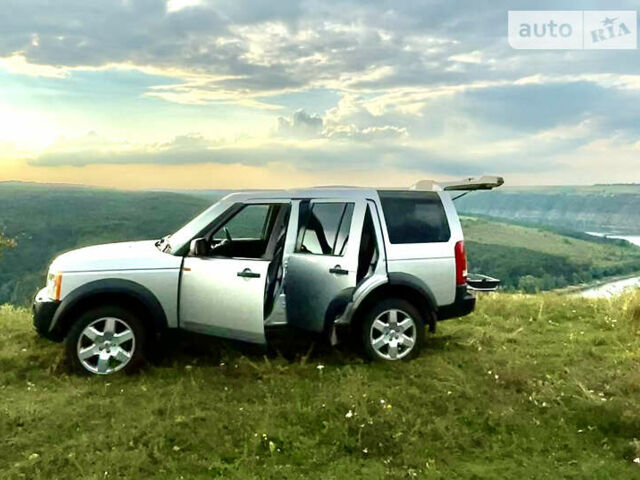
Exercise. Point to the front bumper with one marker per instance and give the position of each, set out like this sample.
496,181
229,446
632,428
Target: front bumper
464,304
44,310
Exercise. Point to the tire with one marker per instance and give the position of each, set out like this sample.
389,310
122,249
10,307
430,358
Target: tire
112,338
384,340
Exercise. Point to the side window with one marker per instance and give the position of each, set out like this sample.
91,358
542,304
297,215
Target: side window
248,223
414,217
324,228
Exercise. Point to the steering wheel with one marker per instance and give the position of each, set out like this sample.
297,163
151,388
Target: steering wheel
227,234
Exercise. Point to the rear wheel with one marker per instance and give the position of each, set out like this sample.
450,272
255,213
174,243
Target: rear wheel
106,340
393,330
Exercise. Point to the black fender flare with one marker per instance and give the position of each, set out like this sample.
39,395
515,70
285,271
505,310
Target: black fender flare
421,295
107,287
411,281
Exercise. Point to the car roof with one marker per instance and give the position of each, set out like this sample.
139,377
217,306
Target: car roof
315,192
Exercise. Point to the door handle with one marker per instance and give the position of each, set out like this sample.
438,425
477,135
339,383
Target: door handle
338,270
247,273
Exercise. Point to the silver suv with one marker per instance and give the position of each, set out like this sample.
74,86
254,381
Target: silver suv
379,266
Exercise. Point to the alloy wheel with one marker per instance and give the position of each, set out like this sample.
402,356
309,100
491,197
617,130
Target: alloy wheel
393,334
106,345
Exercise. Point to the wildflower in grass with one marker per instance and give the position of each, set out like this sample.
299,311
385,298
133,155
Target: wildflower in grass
349,414
320,367
636,460
176,448
34,456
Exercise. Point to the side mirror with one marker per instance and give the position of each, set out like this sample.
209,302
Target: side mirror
198,247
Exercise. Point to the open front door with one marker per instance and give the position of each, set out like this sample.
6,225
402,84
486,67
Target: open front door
223,292
321,272
224,297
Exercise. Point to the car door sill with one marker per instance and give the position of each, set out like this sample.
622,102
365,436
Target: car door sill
223,332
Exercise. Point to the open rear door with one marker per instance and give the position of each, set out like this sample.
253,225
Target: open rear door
321,272
486,182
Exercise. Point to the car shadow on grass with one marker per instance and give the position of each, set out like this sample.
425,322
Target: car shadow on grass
289,345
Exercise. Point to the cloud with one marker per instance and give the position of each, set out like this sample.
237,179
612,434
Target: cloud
245,52
348,153
300,125
95,149
338,125
419,83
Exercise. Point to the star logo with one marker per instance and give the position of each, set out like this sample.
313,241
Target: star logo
609,21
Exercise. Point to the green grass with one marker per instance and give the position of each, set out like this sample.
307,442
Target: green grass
530,387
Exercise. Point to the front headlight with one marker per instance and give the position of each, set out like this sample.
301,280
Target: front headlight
54,284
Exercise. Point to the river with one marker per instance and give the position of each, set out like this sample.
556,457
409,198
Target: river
616,287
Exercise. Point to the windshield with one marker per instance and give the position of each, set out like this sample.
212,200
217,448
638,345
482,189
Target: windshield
195,226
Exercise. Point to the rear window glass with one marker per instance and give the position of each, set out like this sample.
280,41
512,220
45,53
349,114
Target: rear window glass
325,228
414,217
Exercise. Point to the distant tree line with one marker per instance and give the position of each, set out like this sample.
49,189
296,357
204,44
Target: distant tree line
531,271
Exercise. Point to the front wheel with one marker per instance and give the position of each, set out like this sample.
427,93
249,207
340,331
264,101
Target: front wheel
393,330
105,340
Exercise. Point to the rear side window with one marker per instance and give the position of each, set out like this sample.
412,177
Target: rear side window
325,228
414,217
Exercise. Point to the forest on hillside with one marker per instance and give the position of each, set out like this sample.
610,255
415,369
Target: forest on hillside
45,221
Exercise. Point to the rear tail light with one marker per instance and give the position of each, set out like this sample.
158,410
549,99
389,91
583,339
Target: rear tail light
461,263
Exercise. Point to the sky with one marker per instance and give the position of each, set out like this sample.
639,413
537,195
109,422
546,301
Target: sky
251,94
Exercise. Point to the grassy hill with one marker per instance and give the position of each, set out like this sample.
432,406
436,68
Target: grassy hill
535,387
47,220
597,208
531,258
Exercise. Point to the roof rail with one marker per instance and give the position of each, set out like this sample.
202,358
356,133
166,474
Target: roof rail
486,182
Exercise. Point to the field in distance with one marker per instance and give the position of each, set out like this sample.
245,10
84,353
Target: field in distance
531,258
